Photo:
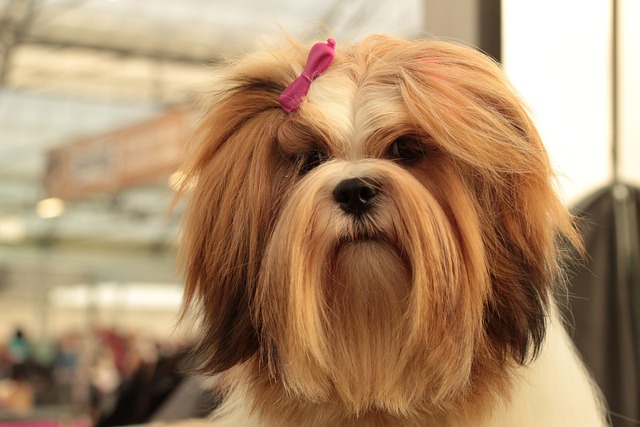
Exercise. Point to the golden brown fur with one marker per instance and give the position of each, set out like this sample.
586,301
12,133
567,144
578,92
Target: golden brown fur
417,312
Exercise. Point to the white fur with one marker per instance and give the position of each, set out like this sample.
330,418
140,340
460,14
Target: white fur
553,391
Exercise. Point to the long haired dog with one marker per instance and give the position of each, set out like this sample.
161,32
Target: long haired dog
381,250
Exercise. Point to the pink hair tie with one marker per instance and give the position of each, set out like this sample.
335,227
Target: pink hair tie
320,57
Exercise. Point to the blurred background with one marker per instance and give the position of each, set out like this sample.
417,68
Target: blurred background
96,97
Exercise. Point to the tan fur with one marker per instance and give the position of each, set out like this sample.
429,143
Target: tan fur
418,313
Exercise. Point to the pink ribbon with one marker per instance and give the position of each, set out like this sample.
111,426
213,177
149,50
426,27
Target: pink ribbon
320,57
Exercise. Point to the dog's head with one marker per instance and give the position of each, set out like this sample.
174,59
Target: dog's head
393,242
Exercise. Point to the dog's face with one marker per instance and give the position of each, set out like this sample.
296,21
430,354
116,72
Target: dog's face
391,244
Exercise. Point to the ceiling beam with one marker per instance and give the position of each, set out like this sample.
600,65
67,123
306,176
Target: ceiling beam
123,51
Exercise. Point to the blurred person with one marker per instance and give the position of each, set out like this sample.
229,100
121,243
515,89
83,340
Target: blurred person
145,392
66,362
42,372
16,392
18,348
104,380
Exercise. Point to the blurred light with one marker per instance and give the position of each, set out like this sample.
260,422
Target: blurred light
12,229
50,208
112,295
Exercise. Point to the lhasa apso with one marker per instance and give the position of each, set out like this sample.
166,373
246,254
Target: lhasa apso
373,239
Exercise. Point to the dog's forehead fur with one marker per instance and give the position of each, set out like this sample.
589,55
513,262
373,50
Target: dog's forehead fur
372,89
351,110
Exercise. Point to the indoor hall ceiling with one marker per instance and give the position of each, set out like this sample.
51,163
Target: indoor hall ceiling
157,51
72,69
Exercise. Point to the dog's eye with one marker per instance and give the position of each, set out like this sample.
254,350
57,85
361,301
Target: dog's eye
407,150
311,159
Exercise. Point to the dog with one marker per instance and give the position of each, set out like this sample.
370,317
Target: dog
373,238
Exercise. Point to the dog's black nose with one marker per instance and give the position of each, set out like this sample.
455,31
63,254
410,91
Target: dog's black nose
355,195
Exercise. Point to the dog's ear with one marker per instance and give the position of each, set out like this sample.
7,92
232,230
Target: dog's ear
463,100
524,226
527,228
231,171
525,222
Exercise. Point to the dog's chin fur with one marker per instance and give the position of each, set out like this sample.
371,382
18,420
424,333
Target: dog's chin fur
424,310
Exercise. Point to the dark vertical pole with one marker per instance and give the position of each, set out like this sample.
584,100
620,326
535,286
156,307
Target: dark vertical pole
474,22
614,91
490,15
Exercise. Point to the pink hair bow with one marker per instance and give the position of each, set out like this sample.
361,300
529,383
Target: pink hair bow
320,57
